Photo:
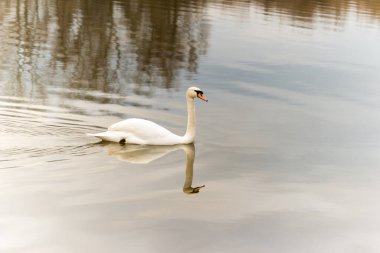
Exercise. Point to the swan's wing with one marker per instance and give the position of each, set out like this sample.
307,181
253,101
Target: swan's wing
146,131
139,127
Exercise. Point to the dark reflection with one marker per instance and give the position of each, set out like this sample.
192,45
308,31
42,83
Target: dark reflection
144,154
119,46
190,155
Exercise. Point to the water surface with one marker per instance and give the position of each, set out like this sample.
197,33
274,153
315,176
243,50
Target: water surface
287,146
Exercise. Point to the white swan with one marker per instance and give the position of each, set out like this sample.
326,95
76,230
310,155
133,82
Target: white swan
145,132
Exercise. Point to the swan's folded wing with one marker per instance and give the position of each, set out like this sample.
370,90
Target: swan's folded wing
141,128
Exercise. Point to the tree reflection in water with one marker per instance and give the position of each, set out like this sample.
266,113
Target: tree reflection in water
100,45
119,46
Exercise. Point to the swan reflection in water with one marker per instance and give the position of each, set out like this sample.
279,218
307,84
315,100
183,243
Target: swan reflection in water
144,154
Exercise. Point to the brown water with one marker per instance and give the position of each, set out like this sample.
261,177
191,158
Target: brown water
287,147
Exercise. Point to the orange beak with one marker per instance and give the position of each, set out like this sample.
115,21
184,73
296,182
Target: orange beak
202,97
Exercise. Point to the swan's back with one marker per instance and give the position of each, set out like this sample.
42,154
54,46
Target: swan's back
141,131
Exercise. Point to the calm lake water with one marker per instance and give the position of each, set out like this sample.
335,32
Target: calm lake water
287,147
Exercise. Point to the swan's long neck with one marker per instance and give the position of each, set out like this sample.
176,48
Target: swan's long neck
190,131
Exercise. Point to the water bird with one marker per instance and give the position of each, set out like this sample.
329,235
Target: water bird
146,132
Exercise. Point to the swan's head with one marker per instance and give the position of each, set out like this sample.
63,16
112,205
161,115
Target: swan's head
195,92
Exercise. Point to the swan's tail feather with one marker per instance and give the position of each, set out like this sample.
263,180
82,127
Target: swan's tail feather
113,136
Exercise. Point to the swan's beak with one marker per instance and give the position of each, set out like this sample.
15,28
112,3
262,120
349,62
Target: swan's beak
200,95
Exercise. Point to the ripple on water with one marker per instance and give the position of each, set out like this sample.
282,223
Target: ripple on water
35,133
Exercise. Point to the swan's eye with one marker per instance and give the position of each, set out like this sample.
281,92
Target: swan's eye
199,92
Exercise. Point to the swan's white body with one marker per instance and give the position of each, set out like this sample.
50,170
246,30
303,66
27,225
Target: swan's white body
145,132
139,131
